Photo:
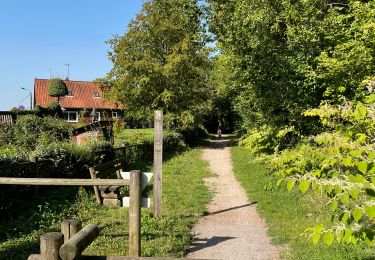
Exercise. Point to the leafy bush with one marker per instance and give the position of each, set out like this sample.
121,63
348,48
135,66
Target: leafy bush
69,159
340,164
139,143
31,131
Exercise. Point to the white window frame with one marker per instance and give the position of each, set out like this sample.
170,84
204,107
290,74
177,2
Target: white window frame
97,114
114,114
70,92
96,95
71,112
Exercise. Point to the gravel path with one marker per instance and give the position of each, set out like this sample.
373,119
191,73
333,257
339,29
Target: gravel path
233,228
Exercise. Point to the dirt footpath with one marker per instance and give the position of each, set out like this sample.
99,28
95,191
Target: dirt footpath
233,228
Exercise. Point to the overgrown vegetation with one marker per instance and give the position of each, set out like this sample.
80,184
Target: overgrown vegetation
288,214
167,236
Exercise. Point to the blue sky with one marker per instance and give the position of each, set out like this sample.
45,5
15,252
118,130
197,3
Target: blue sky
40,36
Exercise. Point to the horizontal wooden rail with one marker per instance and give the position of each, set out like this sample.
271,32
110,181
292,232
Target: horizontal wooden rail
64,182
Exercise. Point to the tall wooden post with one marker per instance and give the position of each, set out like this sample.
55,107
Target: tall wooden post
135,214
50,244
158,162
35,160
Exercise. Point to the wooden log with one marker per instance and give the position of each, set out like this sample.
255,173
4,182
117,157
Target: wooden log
63,182
70,227
72,249
158,162
50,244
34,257
135,214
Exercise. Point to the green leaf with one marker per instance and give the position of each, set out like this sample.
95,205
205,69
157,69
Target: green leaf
318,173
315,186
347,236
279,181
344,198
354,193
360,178
371,155
345,217
347,161
329,189
356,153
360,112
357,214
304,186
338,189
370,99
373,180
370,211
290,184
315,238
372,170
333,205
362,167
329,238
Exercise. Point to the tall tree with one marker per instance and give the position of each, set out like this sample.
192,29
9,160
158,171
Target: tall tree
287,56
162,62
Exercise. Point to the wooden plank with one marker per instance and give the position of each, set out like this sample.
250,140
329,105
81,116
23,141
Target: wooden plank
158,162
63,182
105,173
50,244
135,214
107,165
72,249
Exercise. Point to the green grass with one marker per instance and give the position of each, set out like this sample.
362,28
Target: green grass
288,214
184,200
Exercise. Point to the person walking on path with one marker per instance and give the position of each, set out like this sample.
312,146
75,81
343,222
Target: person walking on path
232,229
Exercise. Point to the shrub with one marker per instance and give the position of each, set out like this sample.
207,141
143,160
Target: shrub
30,130
57,88
340,164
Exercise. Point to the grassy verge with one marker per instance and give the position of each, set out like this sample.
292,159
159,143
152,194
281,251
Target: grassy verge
288,214
184,198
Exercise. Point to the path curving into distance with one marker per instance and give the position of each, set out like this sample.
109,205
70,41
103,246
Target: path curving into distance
232,229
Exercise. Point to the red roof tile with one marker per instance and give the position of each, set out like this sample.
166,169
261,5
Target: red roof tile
83,95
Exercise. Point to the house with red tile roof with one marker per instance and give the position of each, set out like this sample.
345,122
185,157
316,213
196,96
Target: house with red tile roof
83,103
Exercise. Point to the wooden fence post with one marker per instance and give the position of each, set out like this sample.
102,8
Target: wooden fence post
158,162
135,214
35,160
70,227
50,244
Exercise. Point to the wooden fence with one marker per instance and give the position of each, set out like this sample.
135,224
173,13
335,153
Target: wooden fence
135,199
6,117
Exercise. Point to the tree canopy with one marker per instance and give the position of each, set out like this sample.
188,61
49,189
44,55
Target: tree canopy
162,62
57,88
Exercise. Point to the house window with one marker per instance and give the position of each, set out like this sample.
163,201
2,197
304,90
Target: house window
97,116
95,94
71,116
70,93
114,115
